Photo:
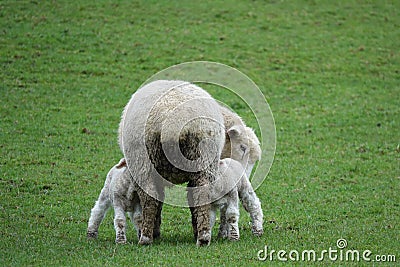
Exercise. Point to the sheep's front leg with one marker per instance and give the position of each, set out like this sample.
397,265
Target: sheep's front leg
97,213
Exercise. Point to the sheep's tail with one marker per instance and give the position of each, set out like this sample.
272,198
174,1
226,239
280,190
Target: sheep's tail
121,163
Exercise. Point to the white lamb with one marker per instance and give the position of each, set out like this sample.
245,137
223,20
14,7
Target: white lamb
248,198
119,191
242,145
230,173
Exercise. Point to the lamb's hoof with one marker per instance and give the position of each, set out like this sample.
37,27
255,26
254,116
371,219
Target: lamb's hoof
92,235
223,232
233,236
233,233
222,235
204,239
144,240
257,231
120,240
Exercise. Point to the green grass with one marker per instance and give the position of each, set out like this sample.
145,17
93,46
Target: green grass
329,70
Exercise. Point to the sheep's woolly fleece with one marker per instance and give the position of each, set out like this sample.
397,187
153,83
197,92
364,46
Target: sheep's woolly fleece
172,132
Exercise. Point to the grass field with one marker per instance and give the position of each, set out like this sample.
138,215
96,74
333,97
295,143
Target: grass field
330,71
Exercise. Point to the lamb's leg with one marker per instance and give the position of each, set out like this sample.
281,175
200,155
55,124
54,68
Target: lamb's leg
232,215
137,220
97,213
252,205
136,215
149,213
119,223
213,215
223,226
197,197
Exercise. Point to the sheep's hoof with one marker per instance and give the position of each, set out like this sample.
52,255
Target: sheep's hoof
204,239
144,240
91,235
156,235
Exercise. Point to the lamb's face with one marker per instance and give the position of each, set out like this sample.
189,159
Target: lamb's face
242,145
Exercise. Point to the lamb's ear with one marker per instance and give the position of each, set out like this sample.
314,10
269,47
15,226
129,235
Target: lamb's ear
121,163
234,131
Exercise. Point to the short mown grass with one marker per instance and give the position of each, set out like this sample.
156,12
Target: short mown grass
329,70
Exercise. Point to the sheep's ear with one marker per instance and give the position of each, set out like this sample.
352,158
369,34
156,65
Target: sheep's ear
233,131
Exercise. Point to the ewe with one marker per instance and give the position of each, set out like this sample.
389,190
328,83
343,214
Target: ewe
172,132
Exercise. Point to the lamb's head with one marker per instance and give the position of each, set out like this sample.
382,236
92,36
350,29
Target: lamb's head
242,145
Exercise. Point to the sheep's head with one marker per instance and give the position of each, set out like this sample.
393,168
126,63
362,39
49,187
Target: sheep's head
242,145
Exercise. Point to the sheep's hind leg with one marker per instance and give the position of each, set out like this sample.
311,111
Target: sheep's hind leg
199,201
157,223
149,212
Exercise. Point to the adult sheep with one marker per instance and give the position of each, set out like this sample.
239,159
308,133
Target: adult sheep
172,132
